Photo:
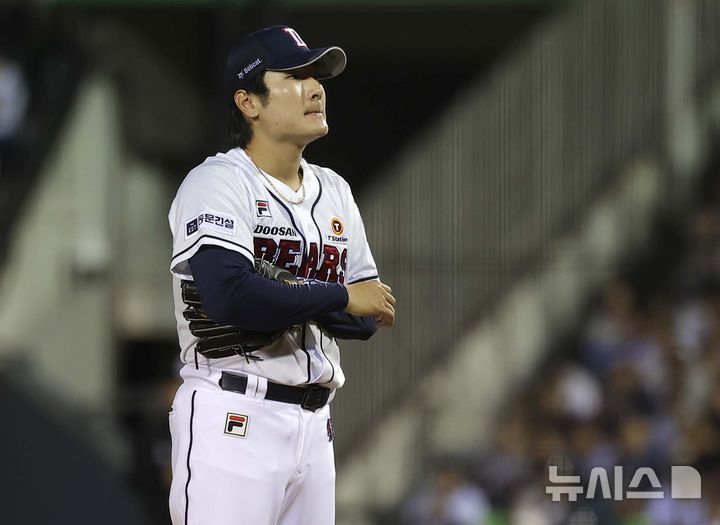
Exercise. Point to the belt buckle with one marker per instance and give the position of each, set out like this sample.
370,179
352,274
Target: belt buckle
315,397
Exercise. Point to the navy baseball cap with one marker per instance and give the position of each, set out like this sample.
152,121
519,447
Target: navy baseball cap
278,48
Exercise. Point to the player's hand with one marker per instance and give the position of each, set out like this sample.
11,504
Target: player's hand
372,298
385,320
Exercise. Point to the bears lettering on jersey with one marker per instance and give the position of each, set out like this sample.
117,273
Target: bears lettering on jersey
330,262
287,254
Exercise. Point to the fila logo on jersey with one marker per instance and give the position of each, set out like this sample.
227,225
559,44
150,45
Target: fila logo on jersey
212,220
236,424
263,209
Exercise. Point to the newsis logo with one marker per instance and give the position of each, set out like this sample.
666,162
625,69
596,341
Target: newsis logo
685,483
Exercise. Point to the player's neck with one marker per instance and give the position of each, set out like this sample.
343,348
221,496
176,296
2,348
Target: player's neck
280,161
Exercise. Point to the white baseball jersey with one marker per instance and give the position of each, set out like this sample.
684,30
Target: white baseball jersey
227,201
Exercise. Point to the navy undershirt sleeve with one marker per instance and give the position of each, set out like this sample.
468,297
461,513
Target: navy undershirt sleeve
344,325
232,293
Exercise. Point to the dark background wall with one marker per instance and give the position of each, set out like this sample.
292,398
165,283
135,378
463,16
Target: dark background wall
405,65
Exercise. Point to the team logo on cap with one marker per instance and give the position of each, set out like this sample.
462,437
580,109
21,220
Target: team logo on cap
299,41
337,226
236,424
263,209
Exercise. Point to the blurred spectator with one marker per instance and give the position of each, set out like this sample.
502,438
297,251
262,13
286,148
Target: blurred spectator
711,496
580,393
668,511
642,389
635,444
609,326
702,265
506,465
592,448
449,499
13,102
698,381
693,323
626,394
532,506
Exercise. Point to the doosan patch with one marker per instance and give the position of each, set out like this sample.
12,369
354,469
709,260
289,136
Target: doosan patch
211,220
236,424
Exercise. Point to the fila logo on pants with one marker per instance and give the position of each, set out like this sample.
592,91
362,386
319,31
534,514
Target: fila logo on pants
236,424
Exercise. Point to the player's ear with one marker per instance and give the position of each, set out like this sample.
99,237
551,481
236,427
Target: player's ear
246,104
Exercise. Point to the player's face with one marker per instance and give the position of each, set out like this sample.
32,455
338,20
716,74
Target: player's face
295,110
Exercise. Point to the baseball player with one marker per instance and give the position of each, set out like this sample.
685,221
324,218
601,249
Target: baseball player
271,267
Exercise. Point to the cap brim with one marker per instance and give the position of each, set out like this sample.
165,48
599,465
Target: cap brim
327,62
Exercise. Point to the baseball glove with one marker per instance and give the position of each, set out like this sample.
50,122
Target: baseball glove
216,340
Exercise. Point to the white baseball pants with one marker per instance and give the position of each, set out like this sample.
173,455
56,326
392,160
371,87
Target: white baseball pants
242,459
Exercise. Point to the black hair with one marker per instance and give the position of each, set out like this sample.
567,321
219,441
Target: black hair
240,130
